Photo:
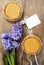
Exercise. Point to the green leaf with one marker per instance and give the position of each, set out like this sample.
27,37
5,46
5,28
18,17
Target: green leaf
5,61
12,57
9,59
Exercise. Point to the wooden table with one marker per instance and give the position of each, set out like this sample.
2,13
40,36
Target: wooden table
30,7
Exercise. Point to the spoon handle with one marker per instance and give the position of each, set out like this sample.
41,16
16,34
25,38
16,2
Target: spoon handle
36,60
30,62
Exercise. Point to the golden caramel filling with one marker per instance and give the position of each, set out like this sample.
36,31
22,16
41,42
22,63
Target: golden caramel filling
12,10
31,45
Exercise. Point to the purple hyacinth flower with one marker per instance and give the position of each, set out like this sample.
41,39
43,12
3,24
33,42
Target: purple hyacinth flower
6,35
8,42
15,44
17,31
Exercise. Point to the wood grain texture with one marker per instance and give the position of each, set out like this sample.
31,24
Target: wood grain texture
30,7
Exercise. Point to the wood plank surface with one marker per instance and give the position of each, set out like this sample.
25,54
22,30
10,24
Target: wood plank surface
30,7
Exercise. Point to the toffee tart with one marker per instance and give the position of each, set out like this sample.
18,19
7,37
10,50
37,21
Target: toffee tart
12,11
31,44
